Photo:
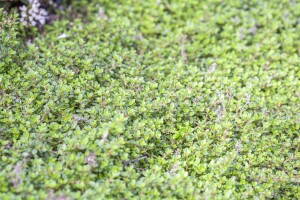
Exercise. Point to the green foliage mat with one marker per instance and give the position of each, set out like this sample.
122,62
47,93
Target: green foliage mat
153,100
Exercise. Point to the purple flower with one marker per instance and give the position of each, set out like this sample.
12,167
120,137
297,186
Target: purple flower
33,14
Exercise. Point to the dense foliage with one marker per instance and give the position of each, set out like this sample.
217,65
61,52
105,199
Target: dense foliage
151,100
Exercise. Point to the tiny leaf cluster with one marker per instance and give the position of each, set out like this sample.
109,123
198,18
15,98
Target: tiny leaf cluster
153,100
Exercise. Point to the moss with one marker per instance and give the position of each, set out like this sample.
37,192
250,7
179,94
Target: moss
153,100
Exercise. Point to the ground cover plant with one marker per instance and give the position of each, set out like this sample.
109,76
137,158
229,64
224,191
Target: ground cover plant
152,100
